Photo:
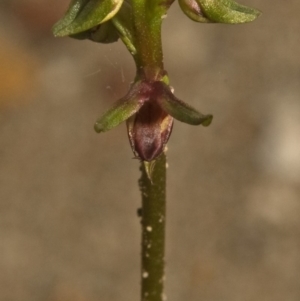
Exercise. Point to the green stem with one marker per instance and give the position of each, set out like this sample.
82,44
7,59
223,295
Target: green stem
147,17
153,215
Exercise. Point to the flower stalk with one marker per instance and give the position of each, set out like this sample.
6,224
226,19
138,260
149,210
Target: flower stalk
153,220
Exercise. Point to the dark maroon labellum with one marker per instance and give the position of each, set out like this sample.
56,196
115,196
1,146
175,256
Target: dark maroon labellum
149,130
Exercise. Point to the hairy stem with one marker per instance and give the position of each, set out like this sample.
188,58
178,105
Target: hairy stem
153,216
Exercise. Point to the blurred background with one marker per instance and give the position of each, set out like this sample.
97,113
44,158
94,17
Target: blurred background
68,197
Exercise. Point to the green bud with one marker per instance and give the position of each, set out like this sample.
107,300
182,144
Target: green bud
219,11
83,15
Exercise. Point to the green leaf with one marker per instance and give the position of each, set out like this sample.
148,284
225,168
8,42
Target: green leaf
182,111
83,15
121,111
227,11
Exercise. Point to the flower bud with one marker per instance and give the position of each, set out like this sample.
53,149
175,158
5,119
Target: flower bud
83,15
193,10
103,33
219,11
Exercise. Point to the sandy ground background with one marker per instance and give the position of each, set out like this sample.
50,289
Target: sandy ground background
68,197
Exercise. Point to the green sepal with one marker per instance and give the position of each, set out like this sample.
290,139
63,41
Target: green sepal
83,15
227,11
72,12
103,33
121,111
182,111
123,22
